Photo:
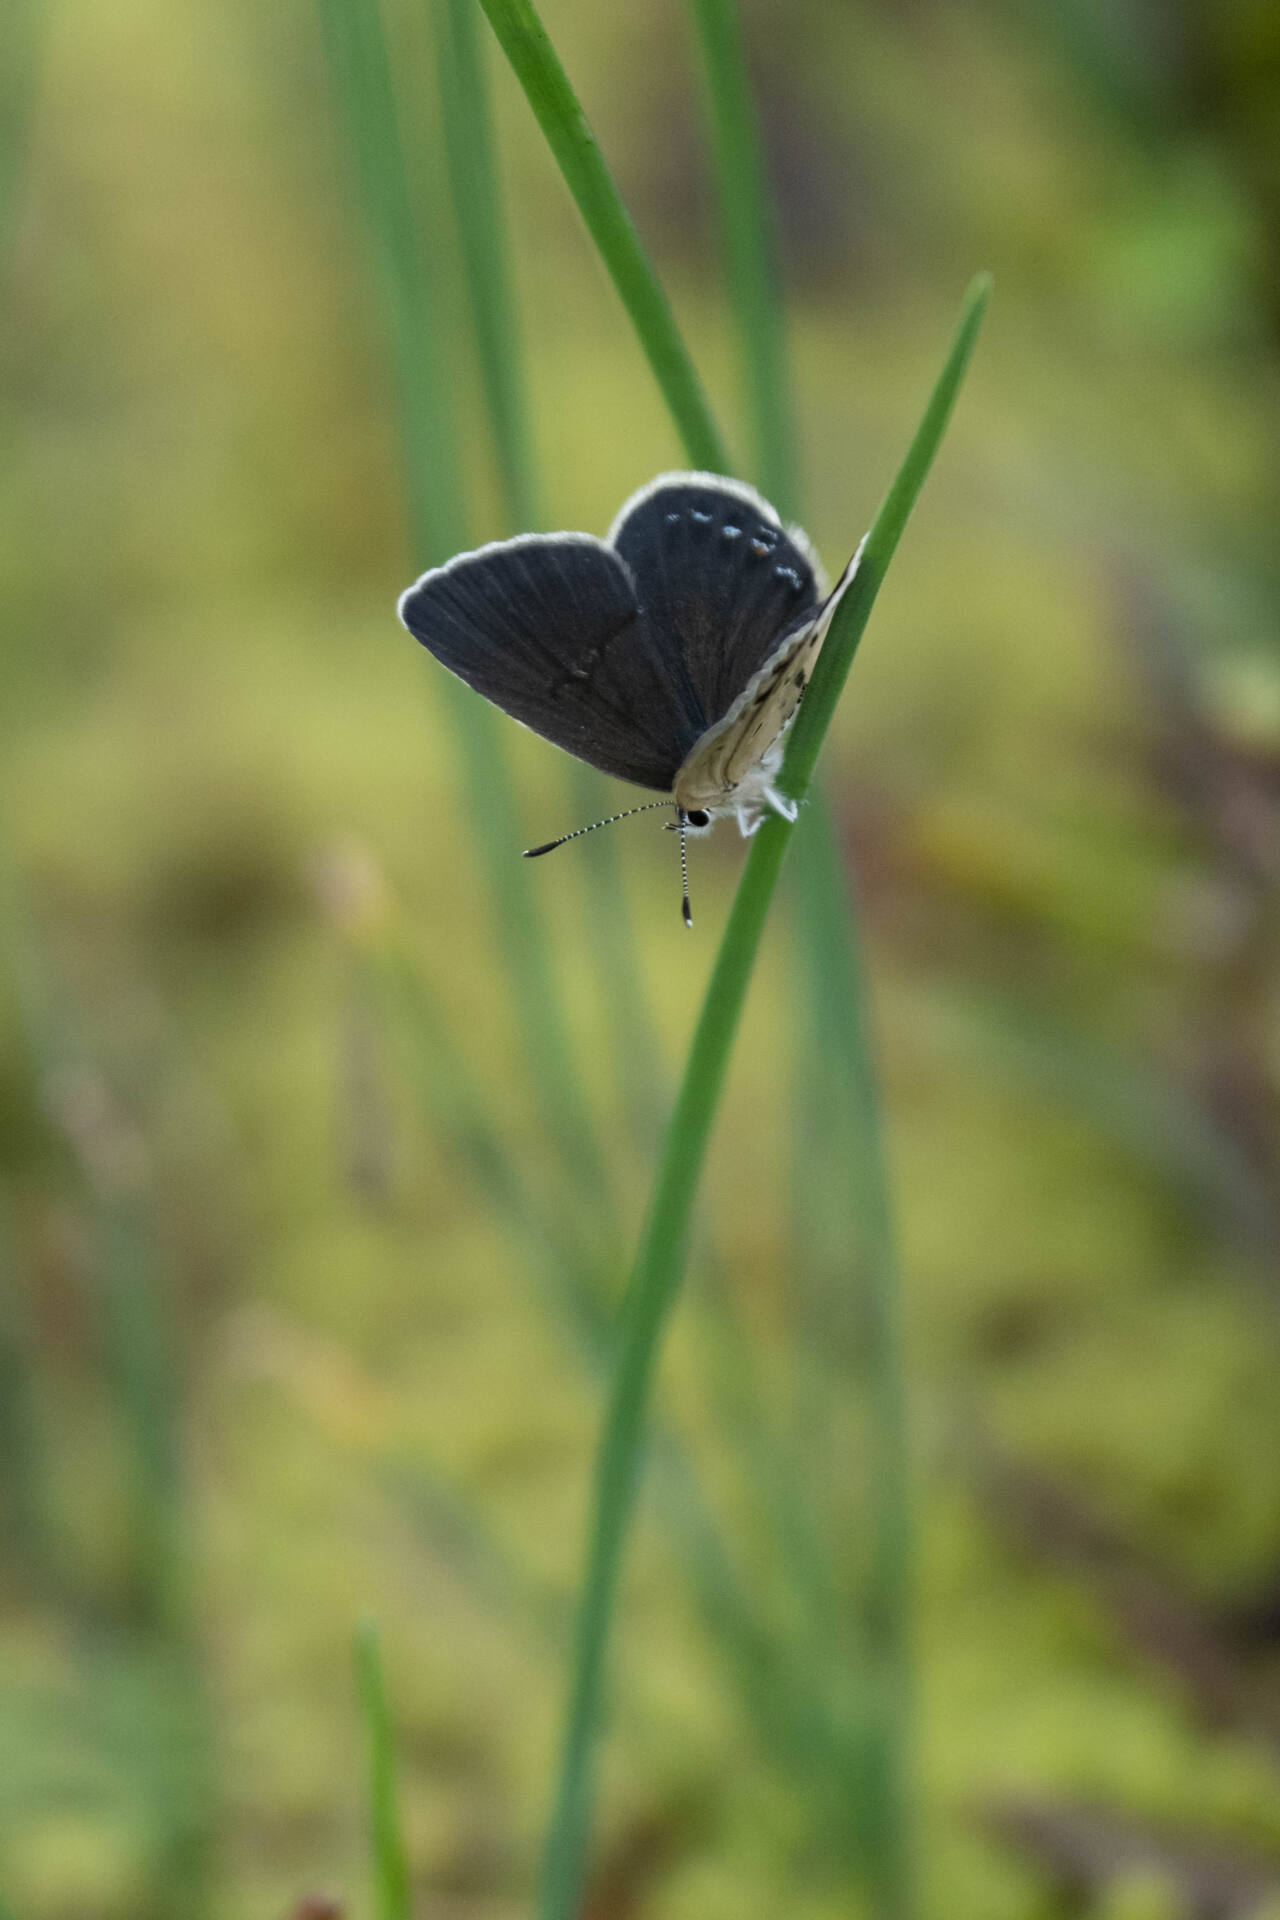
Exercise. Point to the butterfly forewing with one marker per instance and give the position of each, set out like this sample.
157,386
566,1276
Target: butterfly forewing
550,629
719,578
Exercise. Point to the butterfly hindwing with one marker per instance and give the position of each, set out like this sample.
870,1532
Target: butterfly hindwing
550,629
728,753
730,758
720,580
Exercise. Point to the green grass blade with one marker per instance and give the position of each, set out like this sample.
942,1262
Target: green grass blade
129,1292
362,80
172,1755
27,1506
749,249
655,1277
23,27
451,1524
390,1860
408,1012
840,998
137,1349
364,87
632,1034
1150,1119
468,132
524,41
881,543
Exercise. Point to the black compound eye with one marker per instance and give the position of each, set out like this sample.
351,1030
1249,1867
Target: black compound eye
698,817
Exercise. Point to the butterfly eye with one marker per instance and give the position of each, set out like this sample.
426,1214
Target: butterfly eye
698,817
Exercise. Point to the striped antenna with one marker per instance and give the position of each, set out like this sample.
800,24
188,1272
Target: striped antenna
685,908
533,853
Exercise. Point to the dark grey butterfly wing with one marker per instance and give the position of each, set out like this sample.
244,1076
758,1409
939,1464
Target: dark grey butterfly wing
719,579
549,629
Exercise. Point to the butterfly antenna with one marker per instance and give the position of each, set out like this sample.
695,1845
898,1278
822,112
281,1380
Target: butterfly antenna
685,908
532,853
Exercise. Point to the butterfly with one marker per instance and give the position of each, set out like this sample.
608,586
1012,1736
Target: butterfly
673,653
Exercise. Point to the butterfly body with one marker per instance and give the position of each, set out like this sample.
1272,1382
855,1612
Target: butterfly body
673,653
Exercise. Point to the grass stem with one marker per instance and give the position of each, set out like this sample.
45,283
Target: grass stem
390,1861
467,119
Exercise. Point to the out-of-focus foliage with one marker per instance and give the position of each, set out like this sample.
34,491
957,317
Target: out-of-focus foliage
275,1340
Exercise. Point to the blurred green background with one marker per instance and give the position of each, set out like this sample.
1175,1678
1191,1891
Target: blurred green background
272,1355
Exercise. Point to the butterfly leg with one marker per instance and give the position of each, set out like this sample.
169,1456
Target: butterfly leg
749,819
789,809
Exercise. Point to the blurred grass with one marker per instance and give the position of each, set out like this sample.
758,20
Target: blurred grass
145,1627
364,85
21,51
466,117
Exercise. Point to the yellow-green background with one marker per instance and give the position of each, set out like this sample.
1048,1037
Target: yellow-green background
209,716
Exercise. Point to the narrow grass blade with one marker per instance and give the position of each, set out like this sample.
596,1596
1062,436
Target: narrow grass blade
1153,1121
26,1497
546,86
171,1752
407,1011
832,668
655,1277
136,1349
473,176
22,36
749,249
451,1523
139,1367
883,1814
391,1897
632,1035
364,86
